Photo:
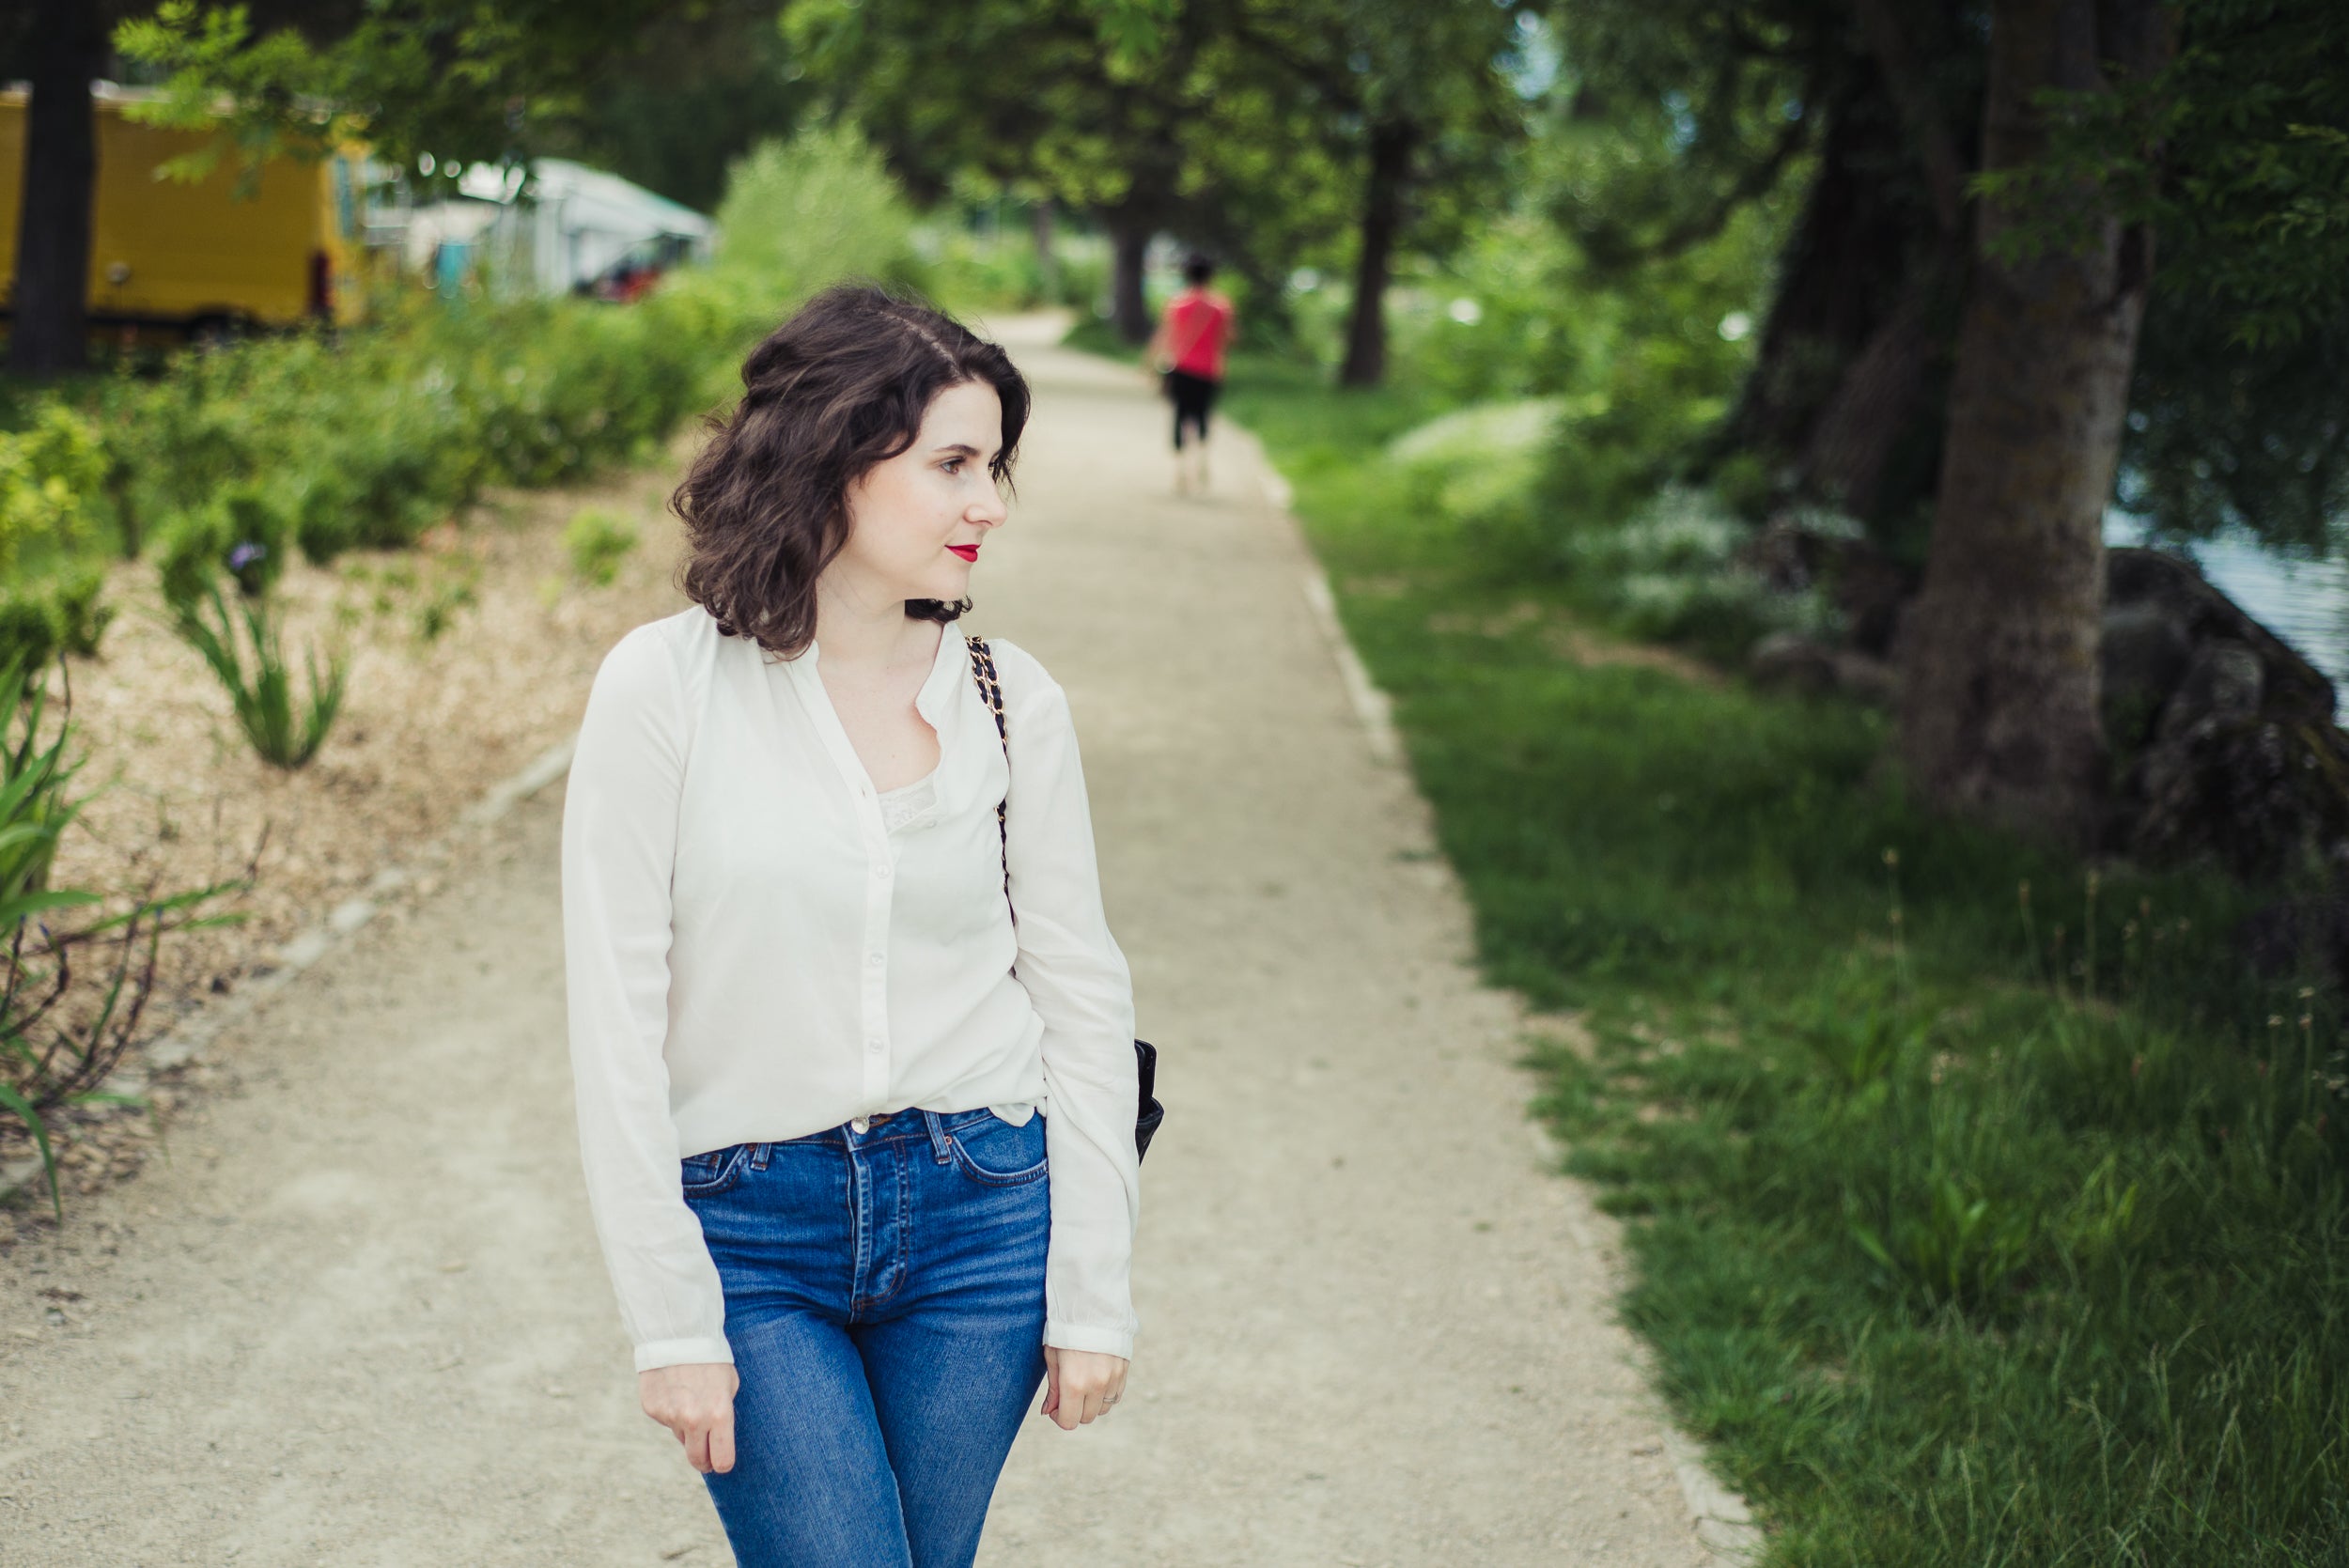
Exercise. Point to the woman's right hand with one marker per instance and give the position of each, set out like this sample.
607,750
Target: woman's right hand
696,1401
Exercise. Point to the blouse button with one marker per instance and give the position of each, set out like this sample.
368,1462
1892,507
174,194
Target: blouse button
873,961
881,872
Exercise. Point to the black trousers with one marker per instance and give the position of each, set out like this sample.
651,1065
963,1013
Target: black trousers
1194,397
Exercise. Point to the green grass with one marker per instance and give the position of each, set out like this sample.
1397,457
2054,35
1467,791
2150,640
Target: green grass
1971,1225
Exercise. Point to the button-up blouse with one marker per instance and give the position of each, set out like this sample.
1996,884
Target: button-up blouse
753,954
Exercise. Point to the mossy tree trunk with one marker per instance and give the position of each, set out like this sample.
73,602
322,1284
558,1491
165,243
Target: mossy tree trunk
1999,705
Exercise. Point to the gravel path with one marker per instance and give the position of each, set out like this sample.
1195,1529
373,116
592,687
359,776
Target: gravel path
358,1318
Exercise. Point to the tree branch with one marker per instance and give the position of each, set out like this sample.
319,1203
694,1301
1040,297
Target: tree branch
1610,252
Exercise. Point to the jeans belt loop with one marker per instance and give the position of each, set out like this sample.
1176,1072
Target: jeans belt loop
941,1142
759,1154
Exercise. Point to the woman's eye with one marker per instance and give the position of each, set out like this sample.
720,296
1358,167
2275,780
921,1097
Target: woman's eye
952,465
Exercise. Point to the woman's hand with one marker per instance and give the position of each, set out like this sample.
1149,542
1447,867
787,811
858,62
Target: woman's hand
1080,1385
696,1401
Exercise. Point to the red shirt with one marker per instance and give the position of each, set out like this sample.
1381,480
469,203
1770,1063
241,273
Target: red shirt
1198,328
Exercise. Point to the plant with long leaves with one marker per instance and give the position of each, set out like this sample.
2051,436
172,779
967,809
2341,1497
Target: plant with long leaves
60,1039
286,734
34,774
59,1042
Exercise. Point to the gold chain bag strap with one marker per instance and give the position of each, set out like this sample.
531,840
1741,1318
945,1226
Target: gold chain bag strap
1150,1112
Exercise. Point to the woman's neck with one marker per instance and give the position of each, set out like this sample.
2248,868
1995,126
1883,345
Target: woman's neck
859,628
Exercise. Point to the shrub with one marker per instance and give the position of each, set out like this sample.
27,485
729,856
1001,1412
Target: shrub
1673,572
369,437
284,734
799,214
64,615
71,997
52,475
598,540
64,1020
79,616
34,775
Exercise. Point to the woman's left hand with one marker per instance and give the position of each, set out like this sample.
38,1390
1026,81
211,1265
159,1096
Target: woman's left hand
1080,1385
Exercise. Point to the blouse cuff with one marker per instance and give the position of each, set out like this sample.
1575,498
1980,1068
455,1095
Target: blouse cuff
655,1354
1070,1336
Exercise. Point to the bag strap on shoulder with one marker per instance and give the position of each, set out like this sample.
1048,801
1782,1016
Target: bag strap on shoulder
1150,1112
991,689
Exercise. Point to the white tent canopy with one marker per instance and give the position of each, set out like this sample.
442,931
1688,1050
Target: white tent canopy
574,224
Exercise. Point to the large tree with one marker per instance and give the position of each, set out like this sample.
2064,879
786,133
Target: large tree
465,81
1871,104
1419,99
1951,348
1056,94
1152,119
691,95
2220,129
1998,712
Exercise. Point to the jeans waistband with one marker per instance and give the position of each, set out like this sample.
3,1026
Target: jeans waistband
933,1126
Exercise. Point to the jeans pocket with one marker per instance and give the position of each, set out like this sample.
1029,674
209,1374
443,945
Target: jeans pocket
996,1154
706,1175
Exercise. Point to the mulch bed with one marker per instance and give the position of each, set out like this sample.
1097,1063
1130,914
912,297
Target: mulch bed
470,655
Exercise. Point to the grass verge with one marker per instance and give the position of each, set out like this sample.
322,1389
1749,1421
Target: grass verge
1982,1210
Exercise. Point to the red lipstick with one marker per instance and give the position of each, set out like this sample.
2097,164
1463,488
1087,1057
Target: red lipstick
969,553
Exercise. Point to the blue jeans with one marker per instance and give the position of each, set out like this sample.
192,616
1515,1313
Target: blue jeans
885,1305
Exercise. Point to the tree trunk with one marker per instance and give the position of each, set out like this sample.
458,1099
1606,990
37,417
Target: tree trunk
47,334
1843,400
1849,454
1130,246
1999,701
1047,253
1390,147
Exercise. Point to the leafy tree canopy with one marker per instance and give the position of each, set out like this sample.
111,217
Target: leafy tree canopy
462,80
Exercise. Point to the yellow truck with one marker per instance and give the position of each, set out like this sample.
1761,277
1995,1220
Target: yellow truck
193,258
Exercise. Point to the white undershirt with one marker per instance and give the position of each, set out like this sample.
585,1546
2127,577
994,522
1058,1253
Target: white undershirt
759,945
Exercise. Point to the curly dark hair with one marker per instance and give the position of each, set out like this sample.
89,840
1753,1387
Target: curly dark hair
838,388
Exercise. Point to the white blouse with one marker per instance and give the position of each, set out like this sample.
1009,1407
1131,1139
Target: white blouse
759,945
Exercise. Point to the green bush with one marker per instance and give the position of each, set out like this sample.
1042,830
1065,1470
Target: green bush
53,478
1672,573
802,213
34,809
1001,270
65,614
598,540
368,436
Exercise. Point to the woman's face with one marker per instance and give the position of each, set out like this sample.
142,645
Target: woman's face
916,521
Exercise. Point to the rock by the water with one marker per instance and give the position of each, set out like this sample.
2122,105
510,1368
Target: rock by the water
2223,737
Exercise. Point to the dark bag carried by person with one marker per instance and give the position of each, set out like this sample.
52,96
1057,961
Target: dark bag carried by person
1149,1114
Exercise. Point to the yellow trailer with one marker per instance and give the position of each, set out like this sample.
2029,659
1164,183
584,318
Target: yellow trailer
193,257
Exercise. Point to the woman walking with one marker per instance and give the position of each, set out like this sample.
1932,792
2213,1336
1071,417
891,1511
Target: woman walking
860,1149
1193,331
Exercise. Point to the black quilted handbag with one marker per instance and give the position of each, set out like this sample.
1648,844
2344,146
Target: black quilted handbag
1149,1114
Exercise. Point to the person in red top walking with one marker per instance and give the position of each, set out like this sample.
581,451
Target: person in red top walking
1193,331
